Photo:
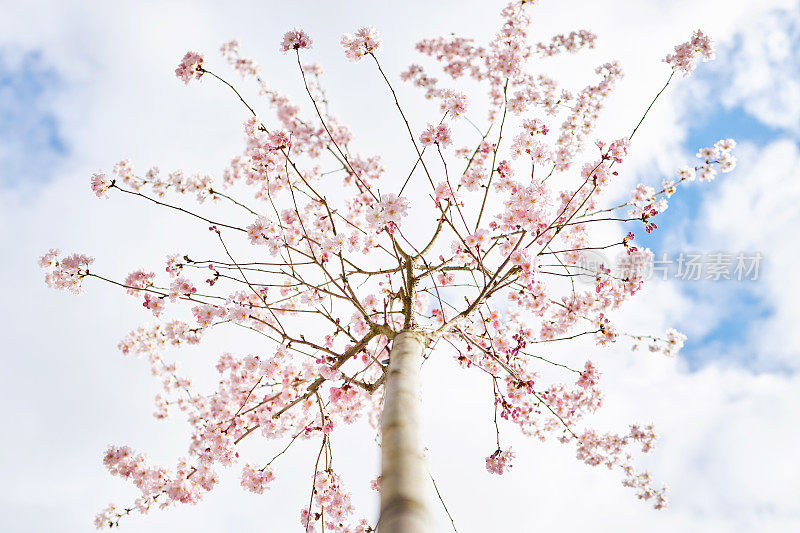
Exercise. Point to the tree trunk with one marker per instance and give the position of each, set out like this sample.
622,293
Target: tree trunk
404,508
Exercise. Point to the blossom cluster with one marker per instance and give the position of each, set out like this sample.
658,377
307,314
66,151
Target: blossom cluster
686,54
646,202
572,42
610,450
668,345
65,273
335,507
364,42
256,479
295,40
245,66
186,484
388,213
100,184
337,264
197,184
500,461
191,66
439,135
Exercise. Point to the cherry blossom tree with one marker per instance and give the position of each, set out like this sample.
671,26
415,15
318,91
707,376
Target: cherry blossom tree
320,259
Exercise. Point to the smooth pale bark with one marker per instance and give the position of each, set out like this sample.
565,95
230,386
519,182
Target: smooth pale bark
404,508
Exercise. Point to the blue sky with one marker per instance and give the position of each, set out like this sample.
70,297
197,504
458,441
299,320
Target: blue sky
31,141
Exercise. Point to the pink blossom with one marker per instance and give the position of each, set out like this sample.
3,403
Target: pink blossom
279,139
589,376
606,332
334,502
444,192
107,517
436,135
478,240
453,103
619,149
725,145
256,480
191,66
474,177
535,127
524,143
181,287
707,172
428,137
685,57
328,372
375,484
720,154
49,260
100,184
445,278
244,65
66,273
443,137
295,40
261,230
709,153
153,303
205,314
675,340
365,41
500,461
174,265
390,210
686,173
138,280
572,42
726,162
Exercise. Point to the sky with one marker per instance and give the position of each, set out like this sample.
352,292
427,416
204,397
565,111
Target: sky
85,84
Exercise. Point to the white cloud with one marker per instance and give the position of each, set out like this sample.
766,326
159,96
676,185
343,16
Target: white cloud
765,78
725,430
755,210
